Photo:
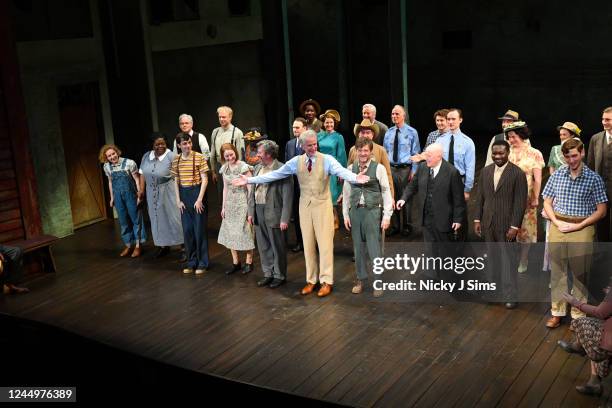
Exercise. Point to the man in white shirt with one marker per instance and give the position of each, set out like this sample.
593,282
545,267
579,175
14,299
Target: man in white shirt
199,143
367,210
226,133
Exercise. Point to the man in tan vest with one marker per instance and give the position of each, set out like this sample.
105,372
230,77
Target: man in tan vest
316,212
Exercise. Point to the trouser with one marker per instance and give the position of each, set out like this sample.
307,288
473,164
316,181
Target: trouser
130,216
502,268
295,211
366,233
400,180
219,183
272,246
435,240
317,223
570,253
13,268
194,229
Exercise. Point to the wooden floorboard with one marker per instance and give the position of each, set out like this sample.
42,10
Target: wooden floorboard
350,349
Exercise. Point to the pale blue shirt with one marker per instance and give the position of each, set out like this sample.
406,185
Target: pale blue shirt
330,166
465,155
408,145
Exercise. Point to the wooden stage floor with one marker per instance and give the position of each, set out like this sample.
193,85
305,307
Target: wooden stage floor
345,348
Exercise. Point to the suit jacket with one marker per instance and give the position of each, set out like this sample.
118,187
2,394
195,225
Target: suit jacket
290,150
279,199
448,204
596,149
505,207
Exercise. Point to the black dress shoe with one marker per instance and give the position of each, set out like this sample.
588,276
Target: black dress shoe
407,231
297,248
589,389
391,231
573,348
161,252
265,281
511,305
276,283
235,268
248,268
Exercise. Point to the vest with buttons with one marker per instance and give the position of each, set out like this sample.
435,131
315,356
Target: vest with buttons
371,190
606,170
314,185
431,185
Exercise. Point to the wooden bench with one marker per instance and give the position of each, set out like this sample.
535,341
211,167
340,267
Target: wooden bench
37,255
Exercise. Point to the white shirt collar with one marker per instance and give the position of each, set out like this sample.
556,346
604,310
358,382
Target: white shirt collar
608,134
152,155
502,168
436,169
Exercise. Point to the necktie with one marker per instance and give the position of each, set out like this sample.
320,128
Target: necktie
451,150
431,173
309,165
396,147
298,149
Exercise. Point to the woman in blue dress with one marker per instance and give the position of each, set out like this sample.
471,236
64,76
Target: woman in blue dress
165,218
331,142
126,196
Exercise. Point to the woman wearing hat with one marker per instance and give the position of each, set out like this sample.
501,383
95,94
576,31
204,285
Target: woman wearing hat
310,110
567,131
251,138
331,142
530,160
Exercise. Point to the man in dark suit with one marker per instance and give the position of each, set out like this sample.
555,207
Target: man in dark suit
500,206
292,149
440,201
270,211
599,160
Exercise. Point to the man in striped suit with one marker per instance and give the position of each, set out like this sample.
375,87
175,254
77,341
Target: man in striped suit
500,206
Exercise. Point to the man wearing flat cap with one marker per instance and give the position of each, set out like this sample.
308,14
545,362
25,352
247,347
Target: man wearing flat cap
599,159
507,118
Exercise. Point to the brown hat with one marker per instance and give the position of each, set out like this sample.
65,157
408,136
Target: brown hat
366,124
572,127
330,113
510,115
312,102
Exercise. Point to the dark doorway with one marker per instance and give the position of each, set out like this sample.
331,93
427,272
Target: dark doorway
83,135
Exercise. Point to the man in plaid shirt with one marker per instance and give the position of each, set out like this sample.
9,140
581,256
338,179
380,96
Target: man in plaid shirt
574,200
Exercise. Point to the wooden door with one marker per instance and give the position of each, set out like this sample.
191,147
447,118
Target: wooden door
83,136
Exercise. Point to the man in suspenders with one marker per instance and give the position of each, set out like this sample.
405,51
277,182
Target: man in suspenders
199,142
226,133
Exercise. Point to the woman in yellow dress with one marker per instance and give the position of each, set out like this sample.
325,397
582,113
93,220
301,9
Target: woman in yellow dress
531,161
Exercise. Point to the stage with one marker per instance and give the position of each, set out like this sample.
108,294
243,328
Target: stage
346,349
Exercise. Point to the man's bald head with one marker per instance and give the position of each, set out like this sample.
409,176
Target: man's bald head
433,154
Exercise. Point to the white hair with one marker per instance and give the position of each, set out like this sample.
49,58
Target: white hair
307,134
369,106
435,148
185,116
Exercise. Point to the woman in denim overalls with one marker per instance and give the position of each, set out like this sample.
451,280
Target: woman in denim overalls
123,183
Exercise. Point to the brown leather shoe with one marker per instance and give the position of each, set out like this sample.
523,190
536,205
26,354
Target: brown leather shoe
553,322
136,252
126,251
325,290
9,289
307,290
